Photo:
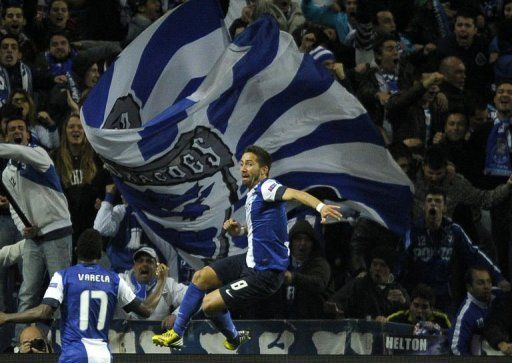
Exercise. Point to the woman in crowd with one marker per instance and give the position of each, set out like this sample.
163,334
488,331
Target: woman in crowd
80,171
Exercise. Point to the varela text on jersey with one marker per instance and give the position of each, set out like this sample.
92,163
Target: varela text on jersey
94,278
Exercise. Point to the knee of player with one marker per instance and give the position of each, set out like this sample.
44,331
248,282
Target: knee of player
203,279
208,305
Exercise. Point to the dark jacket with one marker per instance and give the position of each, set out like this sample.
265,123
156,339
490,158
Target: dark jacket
431,254
411,123
475,58
311,281
362,297
368,86
498,327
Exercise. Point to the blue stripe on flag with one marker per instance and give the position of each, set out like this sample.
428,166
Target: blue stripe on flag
160,132
264,41
199,242
391,201
309,82
95,103
165,43
359,129
190,88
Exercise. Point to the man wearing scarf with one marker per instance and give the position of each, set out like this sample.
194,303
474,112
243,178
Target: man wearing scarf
14,73
142,280
491,146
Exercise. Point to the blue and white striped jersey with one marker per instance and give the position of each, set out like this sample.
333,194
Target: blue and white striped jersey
87,295
266,225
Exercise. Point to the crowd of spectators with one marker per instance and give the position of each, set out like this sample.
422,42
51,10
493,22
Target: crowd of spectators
435,77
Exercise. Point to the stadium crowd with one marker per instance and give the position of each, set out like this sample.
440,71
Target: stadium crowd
436,78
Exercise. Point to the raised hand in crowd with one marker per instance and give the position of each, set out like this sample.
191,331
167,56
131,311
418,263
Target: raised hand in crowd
339,70
430,79
504,284
396,296
45,119
413,142
73,106
383,97
62,79
429,48
438,138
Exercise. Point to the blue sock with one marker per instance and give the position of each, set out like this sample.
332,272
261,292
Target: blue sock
224,324
188,307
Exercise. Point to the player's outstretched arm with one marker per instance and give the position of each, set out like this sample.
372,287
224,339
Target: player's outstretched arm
146,308
40,312
325,210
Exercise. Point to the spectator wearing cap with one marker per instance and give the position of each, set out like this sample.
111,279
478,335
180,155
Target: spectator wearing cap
142,280
375,295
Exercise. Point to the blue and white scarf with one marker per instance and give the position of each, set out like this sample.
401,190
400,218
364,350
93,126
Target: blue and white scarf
141,290
5,84
497,158
391,81
443,23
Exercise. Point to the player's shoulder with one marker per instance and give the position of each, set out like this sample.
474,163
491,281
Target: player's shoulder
268,185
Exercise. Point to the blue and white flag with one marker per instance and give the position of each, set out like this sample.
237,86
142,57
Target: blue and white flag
172,117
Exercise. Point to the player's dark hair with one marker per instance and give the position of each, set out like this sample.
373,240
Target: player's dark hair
263,156
89,245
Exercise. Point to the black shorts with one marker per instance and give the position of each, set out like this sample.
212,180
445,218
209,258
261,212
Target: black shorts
243,284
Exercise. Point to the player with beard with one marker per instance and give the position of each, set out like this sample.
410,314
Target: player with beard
434,243
259,273
31,180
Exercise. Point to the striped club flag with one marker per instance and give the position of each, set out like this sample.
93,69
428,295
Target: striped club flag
173,114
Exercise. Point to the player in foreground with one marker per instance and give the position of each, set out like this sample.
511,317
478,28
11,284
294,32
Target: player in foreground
87,295
259,273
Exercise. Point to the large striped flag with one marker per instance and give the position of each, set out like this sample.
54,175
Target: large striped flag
174,113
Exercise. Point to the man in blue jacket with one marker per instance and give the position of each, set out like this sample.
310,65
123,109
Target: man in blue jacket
473,312
434,243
